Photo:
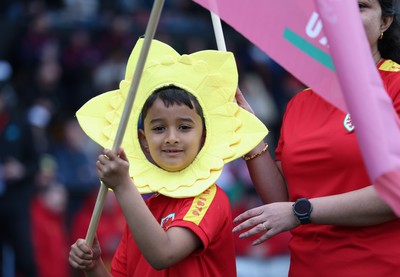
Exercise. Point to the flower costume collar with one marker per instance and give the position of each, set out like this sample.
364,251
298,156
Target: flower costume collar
211,76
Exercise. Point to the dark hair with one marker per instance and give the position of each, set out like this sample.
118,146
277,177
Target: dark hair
171,95
389,45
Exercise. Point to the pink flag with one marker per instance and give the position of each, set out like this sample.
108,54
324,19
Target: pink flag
291,32
371,109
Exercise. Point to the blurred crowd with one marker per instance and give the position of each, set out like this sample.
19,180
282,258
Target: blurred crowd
54,56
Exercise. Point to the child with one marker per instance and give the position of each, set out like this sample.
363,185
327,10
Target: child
190,127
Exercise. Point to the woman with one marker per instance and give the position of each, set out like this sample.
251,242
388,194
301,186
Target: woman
319,177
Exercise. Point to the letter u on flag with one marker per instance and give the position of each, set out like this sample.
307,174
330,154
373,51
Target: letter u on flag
295,33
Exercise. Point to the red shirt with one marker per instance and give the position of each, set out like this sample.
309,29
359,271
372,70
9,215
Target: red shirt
208,216
111,225
50,241
321,157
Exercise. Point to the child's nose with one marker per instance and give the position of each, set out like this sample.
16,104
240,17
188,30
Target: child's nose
172,137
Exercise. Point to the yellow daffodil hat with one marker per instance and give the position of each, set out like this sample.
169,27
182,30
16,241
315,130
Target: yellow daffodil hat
211,76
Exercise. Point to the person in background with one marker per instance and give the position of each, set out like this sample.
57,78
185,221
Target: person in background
319,188
75,156
18,166
47,210
109,231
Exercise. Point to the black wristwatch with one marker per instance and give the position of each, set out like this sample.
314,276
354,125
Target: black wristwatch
302,209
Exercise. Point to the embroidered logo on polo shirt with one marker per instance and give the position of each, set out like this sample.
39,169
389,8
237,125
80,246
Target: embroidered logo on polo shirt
167,221
348,124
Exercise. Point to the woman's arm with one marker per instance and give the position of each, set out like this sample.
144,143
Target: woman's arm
265,174
361,207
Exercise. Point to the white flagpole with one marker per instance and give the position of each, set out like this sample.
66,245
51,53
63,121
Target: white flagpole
219,35
148,37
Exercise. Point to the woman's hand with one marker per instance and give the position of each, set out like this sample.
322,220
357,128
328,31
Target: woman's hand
269,220
242,102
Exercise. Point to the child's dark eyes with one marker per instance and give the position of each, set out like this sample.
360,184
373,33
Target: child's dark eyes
185,127
158,128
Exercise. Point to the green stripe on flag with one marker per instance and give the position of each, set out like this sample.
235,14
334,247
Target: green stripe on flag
308,48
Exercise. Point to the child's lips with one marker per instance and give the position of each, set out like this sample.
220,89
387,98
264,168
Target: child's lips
172,151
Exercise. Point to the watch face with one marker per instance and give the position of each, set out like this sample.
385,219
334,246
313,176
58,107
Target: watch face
302,207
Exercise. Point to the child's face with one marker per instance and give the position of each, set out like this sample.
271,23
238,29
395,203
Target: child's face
173,136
